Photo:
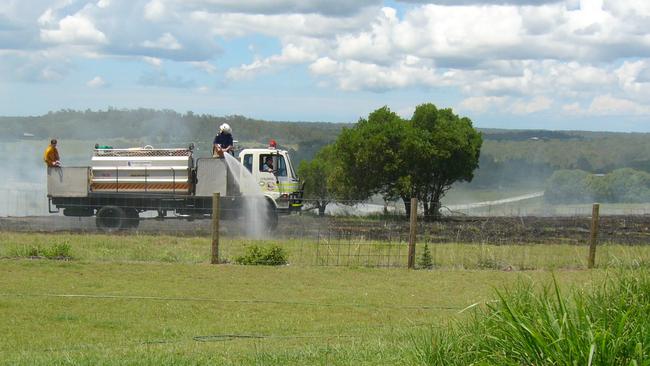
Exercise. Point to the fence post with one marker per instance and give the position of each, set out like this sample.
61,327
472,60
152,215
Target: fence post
215,228
594,235
412,232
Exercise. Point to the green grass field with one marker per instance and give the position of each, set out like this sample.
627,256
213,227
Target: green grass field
156,300
100,248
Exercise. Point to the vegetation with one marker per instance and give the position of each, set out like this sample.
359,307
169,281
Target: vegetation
425,261
315,174
55,251
100,248
121,303
422,157
577,186
264,256
608,324
510,159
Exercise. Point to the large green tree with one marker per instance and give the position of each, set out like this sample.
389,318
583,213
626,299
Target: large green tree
421,157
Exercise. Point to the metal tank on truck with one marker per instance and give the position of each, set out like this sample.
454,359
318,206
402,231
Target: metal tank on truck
121,184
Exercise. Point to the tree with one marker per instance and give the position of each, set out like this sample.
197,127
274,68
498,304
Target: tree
452,150
568,186
629,185
315,174
398,158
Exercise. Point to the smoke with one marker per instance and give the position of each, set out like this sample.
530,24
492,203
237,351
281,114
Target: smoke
23,187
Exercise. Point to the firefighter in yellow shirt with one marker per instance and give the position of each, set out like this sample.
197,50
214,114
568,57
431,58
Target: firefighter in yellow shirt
51,156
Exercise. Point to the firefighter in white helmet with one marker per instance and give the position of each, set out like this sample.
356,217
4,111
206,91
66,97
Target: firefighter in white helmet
223,141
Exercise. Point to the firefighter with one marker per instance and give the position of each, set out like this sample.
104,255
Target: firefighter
51,156
268,165
223,141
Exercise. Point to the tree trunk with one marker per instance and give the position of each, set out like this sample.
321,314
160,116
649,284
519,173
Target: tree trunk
434,204
407,205
321,209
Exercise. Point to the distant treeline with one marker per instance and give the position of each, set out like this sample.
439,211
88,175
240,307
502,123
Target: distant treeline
509,158
168,127
577,186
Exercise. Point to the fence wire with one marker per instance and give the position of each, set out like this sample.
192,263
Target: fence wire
360,234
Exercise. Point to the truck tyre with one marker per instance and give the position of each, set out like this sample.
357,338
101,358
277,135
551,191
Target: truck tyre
132,218
110,218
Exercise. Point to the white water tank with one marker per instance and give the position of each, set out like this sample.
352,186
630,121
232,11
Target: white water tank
141,170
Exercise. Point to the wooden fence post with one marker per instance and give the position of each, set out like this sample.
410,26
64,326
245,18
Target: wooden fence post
215,228
594,236
412,232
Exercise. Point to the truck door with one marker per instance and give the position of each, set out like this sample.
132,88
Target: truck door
266,172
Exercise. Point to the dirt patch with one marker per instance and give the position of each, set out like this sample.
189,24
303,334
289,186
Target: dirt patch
630,229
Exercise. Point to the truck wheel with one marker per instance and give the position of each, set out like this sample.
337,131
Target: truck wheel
110,218
132,219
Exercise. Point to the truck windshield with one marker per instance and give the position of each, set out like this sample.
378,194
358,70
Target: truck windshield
278,164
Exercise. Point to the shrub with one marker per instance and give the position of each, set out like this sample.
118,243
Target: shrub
608,326
266,256
56,251
426,261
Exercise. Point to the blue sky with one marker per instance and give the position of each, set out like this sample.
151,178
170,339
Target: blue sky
549,64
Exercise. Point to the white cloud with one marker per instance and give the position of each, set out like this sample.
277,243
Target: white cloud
205,66
521,57
47,18
153,61
96,82
74,29
51,74
482,104
290,55
535,105
166,42
330,7
154,10
573,109
610,105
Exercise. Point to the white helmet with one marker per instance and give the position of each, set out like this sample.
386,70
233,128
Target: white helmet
225,128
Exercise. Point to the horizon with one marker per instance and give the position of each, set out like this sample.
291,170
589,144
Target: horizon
557,65
319,121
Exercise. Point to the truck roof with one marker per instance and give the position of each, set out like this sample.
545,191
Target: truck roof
262,150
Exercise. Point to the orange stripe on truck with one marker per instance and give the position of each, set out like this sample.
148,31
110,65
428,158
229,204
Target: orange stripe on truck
139,187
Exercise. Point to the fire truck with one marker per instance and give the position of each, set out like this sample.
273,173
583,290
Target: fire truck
122,184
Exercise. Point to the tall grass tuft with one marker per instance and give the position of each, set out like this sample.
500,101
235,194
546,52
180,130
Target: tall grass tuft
609,325
61,251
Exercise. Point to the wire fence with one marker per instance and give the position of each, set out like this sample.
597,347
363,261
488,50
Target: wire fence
356,234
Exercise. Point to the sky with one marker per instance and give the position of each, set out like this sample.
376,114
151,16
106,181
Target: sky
529,64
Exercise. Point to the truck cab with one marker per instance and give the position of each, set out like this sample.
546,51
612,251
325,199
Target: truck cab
277,179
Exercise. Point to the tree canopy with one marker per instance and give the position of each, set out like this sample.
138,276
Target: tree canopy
397,158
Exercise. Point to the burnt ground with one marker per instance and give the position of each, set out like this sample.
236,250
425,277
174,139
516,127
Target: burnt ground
631,229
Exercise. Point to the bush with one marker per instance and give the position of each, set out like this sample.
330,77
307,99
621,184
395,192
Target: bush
56,251
426,261
608,326
265,256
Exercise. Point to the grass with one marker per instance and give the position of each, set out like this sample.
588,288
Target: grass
143,299
352,252
608,324
146,313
